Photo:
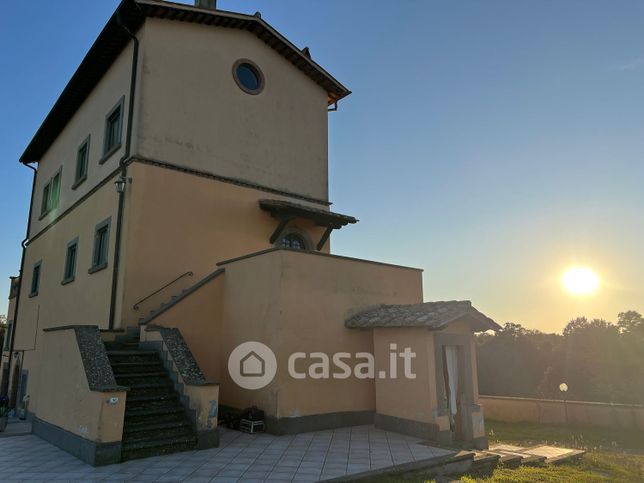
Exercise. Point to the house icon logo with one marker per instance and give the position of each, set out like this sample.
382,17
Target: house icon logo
252,365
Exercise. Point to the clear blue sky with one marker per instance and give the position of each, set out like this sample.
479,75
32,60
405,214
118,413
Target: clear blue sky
492,143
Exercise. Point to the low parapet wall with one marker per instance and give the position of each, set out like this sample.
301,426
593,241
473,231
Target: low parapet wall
552,411
78,405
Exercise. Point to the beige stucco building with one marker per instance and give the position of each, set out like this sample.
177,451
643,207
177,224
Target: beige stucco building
180,208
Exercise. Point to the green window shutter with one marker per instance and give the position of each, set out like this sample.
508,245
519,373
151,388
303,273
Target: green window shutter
70,261
82,162
35,279
113,127
45,204
101,244
55,191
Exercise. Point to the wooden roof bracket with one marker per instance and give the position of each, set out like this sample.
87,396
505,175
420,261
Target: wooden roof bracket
280,228
325,237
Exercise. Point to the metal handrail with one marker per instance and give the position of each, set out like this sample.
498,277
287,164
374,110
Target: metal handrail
136,305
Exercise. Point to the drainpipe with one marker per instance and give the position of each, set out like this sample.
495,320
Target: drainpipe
123,175
5,383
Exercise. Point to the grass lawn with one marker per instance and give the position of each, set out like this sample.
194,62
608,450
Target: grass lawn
594,467
616,456
582,437
612,456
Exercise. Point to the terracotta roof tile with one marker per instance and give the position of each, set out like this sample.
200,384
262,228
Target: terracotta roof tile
433,315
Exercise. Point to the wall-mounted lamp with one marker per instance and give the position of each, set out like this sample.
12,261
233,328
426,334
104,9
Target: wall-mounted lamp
120,184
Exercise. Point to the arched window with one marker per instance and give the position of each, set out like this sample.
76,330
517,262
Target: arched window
294,241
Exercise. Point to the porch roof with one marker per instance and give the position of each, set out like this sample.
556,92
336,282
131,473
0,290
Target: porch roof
285,211
281,209
432,315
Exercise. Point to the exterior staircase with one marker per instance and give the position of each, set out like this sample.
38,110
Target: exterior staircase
155,420
163,305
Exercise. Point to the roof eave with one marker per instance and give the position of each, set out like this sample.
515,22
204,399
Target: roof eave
133,15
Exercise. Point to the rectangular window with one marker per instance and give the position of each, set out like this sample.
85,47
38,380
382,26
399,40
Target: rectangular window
101,244
51,194
44,207
7,340
70,262
55,191
82,161
35,279
113,124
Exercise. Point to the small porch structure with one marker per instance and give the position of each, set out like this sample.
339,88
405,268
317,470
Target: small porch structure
440,402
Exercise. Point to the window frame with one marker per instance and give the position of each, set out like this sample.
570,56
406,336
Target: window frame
44,202
305,242
50,200
35,281
109,150
79,176
100,263
258,72
67,277
56,189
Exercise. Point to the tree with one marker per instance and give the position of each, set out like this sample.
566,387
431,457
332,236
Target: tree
598,360
630,323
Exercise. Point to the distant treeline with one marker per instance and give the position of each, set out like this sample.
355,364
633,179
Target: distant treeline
598,360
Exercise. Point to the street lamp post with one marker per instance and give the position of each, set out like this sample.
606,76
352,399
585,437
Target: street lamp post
563,387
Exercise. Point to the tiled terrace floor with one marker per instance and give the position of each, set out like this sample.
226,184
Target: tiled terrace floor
240,457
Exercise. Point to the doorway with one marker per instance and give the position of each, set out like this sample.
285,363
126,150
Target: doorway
453,379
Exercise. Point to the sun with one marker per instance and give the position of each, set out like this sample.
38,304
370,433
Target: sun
580,281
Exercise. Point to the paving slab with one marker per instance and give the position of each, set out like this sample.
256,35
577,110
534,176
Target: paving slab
260,457
536,454
16,427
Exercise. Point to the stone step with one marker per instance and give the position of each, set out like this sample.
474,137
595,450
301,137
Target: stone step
151,405
144,412
121,347
147,378
171,432
138,367
136,423
484,463
126,375
115,354
143,385
133,429
168,395
129,352
156,403
156,363
159,442
160,447
157,447
137,392
510,460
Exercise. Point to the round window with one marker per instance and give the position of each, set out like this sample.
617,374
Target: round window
248,76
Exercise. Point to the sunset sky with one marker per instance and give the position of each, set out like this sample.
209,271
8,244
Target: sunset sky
493,144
